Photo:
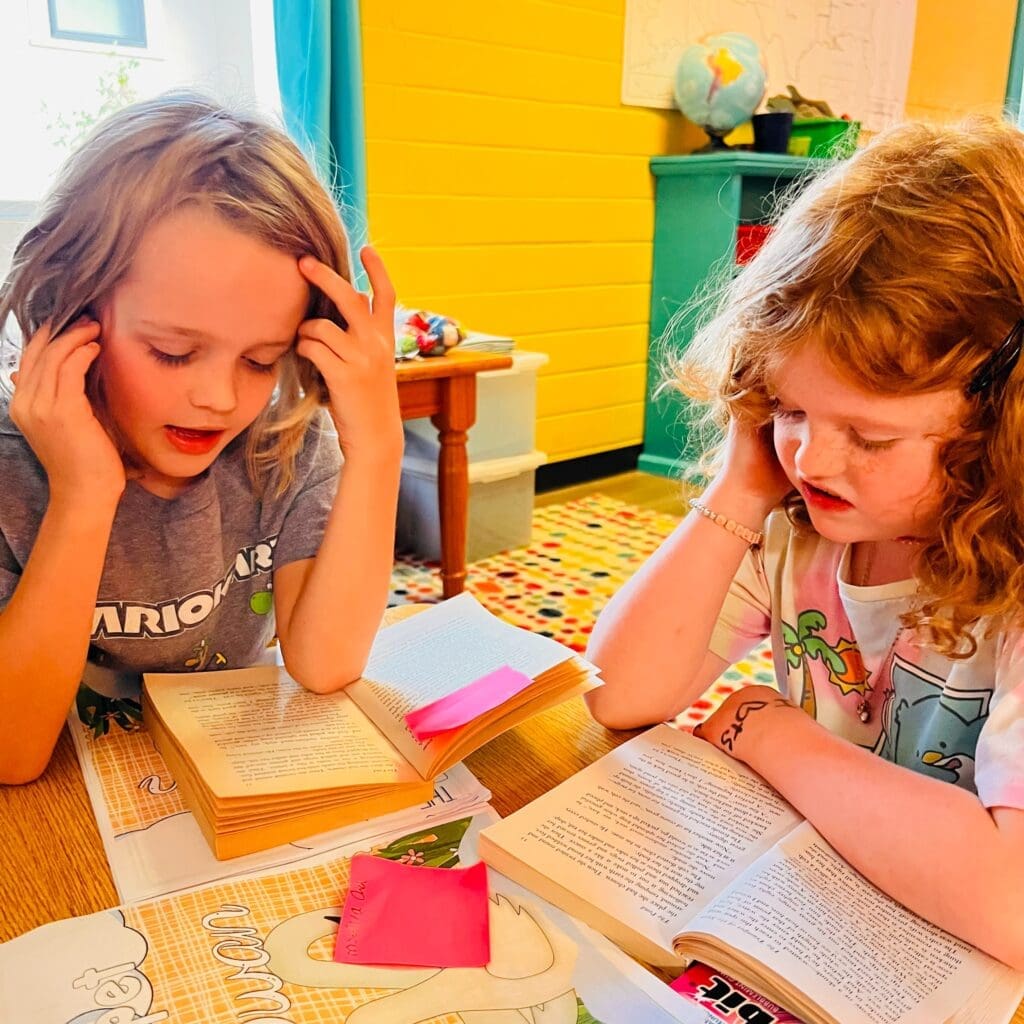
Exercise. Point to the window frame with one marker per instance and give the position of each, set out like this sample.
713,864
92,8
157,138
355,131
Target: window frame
38,19
135,8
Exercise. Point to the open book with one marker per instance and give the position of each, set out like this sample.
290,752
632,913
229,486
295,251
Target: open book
679,853
261,761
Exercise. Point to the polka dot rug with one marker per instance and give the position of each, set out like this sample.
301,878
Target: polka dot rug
580,553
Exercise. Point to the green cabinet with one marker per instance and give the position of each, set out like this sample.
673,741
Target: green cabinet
700,201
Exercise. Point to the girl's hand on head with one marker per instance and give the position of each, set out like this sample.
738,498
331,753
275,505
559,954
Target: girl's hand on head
751,470
357,362
50,407
735,725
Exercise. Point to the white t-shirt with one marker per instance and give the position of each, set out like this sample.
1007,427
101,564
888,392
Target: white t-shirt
836,645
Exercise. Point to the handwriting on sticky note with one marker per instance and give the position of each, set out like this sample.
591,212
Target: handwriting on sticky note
350,931
468,702
414,916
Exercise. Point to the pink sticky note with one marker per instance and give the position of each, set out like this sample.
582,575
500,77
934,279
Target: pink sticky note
467,703
414,916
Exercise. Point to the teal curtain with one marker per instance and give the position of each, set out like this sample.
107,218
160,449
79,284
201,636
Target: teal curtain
319,71
1015,82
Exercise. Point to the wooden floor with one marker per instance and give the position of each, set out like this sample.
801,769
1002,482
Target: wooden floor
656,493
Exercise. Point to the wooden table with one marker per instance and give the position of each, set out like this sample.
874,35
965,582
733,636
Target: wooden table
445,390
52,863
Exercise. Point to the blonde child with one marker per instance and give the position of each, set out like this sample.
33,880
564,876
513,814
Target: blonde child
864,369
171,494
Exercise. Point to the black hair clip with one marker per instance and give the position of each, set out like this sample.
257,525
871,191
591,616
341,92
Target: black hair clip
1001,363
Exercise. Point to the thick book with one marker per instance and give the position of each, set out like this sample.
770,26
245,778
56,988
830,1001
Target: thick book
679,853
154,845
260,761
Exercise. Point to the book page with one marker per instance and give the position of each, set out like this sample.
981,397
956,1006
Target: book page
650,832
256,731
433,654
858,954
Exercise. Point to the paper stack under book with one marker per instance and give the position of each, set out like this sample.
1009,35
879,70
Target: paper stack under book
262,761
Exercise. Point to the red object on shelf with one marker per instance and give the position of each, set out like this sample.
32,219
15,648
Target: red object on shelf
750,238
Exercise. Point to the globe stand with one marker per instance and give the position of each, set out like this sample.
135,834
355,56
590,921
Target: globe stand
716,140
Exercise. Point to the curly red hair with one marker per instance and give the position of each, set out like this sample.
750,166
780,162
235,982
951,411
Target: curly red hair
905,264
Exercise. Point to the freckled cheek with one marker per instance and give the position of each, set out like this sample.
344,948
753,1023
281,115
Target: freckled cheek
877,486
781,440
868,465
901,489
786,444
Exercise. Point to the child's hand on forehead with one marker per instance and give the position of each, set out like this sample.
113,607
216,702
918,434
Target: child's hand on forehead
357,362
50,407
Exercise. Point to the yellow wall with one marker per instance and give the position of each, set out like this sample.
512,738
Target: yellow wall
509,188
961,58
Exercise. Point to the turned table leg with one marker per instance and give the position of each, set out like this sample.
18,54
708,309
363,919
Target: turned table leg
458,412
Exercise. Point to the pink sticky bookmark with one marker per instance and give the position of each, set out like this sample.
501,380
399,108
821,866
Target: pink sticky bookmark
467,703
401,914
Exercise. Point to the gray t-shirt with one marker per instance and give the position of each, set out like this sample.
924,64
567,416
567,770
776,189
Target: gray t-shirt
187,581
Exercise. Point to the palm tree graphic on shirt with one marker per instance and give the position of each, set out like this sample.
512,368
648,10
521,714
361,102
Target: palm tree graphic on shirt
843,660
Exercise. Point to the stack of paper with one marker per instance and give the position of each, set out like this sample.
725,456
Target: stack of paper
476,341
261,761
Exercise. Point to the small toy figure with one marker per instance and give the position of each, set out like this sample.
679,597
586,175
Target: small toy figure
422,333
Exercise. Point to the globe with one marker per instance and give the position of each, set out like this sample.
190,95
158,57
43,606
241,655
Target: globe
720,82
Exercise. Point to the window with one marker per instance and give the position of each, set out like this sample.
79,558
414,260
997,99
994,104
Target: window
119,22
65,85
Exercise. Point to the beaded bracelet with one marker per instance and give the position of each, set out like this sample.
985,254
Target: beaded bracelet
755,538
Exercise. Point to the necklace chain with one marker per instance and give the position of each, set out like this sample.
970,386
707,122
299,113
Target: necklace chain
869,564
869,559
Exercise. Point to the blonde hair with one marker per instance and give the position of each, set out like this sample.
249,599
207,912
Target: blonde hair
905,265
143,163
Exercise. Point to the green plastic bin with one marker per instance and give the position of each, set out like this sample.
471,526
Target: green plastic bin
828,137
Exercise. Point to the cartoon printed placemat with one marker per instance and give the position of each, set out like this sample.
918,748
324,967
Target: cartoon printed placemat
259,949
137,787
267,944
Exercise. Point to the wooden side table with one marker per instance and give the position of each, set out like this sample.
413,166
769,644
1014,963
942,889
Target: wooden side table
445,390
